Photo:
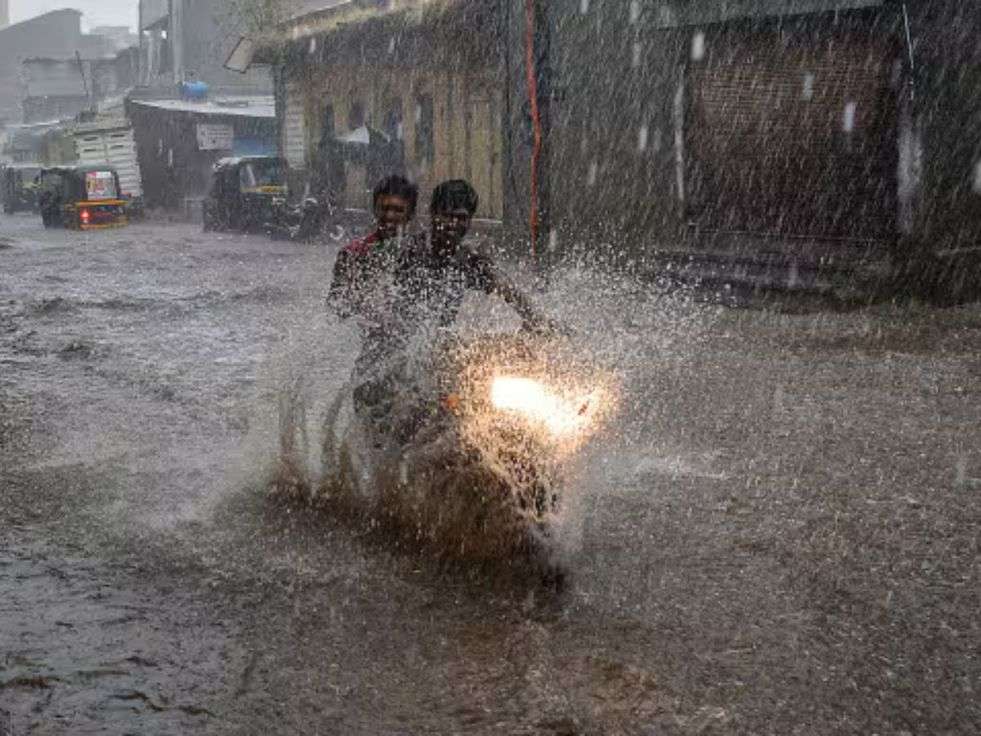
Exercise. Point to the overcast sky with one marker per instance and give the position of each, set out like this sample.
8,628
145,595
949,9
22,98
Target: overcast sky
95,12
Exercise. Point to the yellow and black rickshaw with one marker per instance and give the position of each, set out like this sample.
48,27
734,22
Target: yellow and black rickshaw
246,193
18,187
81,198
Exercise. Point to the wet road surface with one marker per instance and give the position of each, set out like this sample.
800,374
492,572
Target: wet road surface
779,535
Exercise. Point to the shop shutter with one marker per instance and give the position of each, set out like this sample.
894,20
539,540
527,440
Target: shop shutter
793,135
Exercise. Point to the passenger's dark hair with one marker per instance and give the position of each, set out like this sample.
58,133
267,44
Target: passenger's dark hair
454,194
397,186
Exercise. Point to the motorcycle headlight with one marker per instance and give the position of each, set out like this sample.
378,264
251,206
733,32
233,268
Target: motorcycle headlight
535,402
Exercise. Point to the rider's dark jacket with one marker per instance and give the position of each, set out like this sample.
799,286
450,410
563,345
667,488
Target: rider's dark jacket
429,284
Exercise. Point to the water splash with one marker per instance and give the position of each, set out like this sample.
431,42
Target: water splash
439,494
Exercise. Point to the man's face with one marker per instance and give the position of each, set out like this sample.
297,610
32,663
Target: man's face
392,213
450,227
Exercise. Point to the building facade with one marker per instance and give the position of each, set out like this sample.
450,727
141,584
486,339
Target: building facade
59,89
828,133
57,34
189,41
179,141
398,72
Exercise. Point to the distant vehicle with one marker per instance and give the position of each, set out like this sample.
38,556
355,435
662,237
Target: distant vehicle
109,142
246,193
18,188
81,198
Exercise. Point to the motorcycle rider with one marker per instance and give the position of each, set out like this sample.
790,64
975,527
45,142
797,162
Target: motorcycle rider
362,264
433,273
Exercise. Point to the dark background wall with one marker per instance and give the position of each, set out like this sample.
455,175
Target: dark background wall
758,154
612,171
947,49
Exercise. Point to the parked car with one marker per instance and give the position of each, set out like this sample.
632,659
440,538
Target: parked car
18,187
246,193
81,198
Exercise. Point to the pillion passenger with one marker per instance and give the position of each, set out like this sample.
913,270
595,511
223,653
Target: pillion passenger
364,262
434,272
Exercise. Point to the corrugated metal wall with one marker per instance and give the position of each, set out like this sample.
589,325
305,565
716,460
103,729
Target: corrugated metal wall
793,133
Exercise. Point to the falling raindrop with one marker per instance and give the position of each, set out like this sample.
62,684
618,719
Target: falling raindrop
591,174
583,7
553,240
698,46
808,92
848,121
634,11
637,54
642,138
960,472
391,45
313,45
977,177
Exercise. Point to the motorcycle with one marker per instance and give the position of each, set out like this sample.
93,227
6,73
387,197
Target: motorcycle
463,447
297,222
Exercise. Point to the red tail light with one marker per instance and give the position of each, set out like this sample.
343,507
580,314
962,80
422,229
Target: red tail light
84,215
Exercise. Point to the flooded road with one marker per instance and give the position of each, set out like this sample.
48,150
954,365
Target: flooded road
778,535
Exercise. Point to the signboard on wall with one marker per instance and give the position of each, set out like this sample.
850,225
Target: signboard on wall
214,137
100,185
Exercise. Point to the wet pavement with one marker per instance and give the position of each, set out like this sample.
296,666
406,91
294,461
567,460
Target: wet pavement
778,535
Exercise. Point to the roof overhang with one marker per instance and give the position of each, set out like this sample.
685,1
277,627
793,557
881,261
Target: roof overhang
677,14
303,31
241,56
242,107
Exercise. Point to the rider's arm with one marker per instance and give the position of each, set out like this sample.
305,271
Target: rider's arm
530,317
340,296
496,282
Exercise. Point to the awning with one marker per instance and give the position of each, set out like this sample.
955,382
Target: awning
251,107
241,57
675,14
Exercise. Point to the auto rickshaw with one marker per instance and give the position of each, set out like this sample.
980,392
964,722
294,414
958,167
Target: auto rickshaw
246,193
18,188
81,198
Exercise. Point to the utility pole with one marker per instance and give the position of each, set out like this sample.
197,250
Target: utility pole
538,71
85,83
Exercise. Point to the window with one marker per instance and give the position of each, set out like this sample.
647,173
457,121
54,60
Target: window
355,116
258,174
327,123
392,124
